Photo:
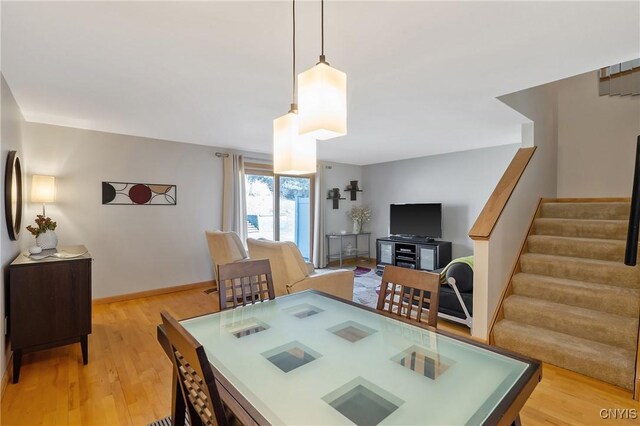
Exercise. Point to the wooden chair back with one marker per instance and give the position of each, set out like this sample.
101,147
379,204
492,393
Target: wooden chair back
244,283
195,375
404,292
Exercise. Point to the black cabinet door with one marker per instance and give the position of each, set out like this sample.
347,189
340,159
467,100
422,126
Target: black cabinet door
428,257
385,253
49,302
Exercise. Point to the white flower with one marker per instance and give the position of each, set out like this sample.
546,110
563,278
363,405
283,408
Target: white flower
361,214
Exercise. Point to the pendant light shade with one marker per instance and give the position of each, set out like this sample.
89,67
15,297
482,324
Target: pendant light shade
322,100
322,97
292,154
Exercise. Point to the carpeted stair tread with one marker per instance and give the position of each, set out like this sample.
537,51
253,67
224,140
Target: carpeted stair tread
582,228
601,297
573,268
589,324
604,362
588,248
593,210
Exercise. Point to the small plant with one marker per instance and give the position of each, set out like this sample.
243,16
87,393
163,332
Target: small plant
44,224
359,214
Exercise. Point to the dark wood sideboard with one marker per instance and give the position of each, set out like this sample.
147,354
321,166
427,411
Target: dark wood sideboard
49,303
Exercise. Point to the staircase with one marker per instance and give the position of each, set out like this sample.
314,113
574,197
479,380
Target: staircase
572,302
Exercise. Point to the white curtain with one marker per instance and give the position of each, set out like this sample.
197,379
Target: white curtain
234,206
319,255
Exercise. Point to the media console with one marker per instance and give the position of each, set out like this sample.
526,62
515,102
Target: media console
414,253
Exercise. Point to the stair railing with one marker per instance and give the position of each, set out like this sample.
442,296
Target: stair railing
631,252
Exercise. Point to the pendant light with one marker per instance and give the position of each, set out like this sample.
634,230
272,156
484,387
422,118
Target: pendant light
322,97
293,154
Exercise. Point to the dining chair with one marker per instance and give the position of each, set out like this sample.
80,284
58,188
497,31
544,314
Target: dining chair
244,283
195,376
409,293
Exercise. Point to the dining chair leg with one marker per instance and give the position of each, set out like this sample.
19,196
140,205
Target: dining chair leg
177,403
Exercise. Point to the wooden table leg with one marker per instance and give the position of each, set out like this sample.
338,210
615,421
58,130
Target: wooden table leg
516,421
84,344
177,403
17,362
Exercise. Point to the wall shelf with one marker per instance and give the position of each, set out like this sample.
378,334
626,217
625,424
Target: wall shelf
353,193
353,189
334,194
336,201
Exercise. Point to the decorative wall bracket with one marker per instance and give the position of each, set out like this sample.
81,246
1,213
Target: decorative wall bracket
353,189
334,194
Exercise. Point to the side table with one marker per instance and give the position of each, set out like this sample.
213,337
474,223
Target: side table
49,302
359,251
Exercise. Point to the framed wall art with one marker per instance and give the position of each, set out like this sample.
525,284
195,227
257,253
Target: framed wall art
138,194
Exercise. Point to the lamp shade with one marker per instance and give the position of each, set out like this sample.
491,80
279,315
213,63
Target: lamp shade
292,154
322,102
43,189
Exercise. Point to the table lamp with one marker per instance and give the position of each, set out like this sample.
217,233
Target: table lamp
43,190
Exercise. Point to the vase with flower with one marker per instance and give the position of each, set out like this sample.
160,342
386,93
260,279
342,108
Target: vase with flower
44,232
359,216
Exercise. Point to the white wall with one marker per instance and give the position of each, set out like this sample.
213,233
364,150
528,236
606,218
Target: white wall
596,139
11,136
495,258
585,148
338,175
461,181
135,248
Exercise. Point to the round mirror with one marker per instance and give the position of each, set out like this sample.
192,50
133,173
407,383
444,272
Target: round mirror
13,194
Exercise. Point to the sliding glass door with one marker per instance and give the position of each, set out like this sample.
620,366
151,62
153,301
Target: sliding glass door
260,206
279,207
295,211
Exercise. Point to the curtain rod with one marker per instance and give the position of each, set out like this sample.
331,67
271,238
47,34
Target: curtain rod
262,160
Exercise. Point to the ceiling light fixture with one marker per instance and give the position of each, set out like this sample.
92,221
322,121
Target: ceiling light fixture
323,97
293,154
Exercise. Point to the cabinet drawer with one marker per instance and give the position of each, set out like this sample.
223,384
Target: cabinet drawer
49,302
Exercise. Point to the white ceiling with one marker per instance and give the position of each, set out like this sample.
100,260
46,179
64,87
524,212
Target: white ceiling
422,76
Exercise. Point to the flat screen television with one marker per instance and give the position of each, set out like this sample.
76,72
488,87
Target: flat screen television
416,220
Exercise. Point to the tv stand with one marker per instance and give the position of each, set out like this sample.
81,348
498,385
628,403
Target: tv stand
411,238
426,254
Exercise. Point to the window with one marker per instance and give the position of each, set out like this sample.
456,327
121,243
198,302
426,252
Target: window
279,207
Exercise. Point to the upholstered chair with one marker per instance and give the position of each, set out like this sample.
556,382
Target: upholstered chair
224,247
292,274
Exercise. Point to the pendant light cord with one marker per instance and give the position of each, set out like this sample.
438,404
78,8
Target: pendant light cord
293,94
322,59
322,27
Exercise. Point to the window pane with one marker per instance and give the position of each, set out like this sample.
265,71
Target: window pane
259,191
295,212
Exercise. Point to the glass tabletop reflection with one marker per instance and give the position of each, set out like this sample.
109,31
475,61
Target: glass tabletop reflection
310,359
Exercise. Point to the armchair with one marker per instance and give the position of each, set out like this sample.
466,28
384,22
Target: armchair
224,247
292,274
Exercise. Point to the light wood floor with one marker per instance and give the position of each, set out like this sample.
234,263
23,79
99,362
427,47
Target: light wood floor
128,378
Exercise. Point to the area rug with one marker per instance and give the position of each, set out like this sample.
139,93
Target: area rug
166,421
162,422
364,288
361,270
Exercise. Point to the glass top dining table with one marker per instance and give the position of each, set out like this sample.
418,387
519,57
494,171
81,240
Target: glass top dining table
312,359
